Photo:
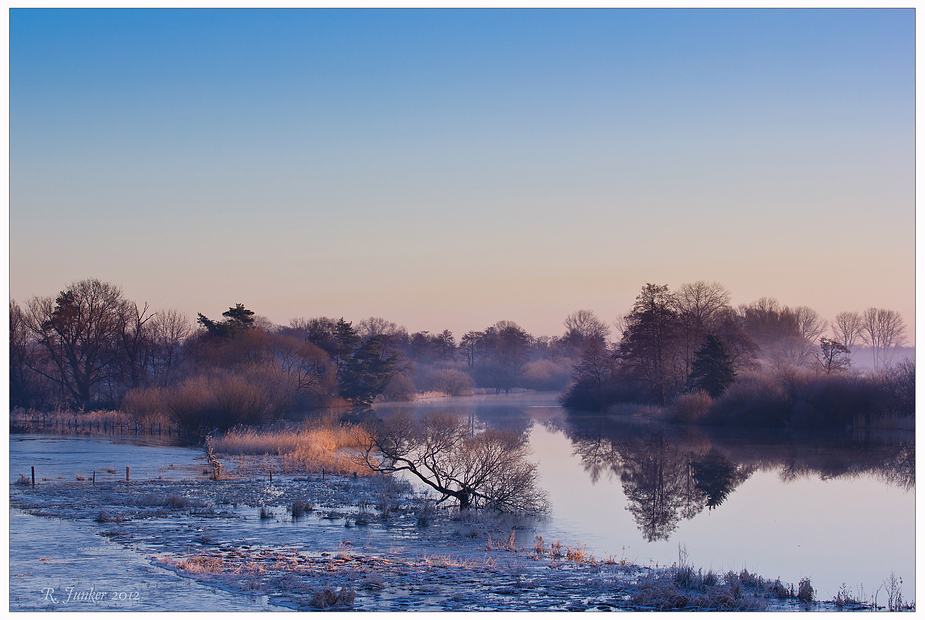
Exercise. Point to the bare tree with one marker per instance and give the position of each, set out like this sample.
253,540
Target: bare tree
583,327
809,327
702,300
375,326
78,332
882,330
137,344
485,469
847,328
699,305
833,356
170,329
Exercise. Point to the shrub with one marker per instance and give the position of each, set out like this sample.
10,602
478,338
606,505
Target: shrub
898,384
223,400
449,381
546,375
300,508
329,598
400,388
758,400
691,407
146,405
805,592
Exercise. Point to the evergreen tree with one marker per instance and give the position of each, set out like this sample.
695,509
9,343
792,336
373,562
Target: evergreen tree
237,319
712,370
367,372
650,352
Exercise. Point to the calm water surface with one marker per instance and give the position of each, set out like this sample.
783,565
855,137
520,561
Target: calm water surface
836,508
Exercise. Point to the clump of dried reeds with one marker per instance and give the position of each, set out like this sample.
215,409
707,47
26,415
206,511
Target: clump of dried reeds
328,597
805,591
300,507
322,446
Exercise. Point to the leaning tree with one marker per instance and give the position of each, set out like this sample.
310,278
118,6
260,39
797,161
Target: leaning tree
474,469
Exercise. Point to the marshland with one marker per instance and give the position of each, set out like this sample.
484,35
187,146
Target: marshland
733,459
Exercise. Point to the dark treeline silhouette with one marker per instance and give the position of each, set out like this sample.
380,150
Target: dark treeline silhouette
89,348
687,350
696,357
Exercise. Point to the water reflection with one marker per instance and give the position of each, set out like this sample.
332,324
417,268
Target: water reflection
670,473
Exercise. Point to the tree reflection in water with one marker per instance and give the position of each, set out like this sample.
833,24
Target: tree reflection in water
671,473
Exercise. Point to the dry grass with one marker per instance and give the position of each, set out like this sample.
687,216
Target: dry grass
300,508
327,597
805,592
324,445
690,408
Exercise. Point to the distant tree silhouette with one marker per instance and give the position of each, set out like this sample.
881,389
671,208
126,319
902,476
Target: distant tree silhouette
650,351
367,372
882,330
582,327
833,356
237,319
712,370
79,333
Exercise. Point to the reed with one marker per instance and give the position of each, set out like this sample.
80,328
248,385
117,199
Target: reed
318,447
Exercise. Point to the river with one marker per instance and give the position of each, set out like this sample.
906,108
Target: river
835,507
838,508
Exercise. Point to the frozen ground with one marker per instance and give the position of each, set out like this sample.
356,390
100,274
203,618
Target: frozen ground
366,544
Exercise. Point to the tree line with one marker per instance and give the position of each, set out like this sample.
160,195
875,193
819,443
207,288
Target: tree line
90,347
690,346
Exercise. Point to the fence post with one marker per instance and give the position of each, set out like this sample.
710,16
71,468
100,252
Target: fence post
126,473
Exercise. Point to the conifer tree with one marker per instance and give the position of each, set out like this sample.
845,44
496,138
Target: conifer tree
712,370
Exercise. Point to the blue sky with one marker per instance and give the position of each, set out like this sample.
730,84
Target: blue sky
449,169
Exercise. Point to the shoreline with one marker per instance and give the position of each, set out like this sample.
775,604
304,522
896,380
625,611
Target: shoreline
367,544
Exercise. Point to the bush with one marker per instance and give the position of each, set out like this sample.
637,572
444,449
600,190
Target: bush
581,396
546,375
400,388
758,400
690,408
449,381
223,400
898,384
833,400
146,405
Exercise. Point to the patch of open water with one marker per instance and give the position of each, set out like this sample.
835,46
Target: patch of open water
836,509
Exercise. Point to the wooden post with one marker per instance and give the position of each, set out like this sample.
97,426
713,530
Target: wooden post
126,473
94,477
33,476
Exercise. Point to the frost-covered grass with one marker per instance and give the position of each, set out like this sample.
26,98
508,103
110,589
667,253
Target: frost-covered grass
461,561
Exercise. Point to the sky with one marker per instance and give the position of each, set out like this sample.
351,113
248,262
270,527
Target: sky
448,169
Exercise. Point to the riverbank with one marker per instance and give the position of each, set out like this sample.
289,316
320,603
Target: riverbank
313,541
